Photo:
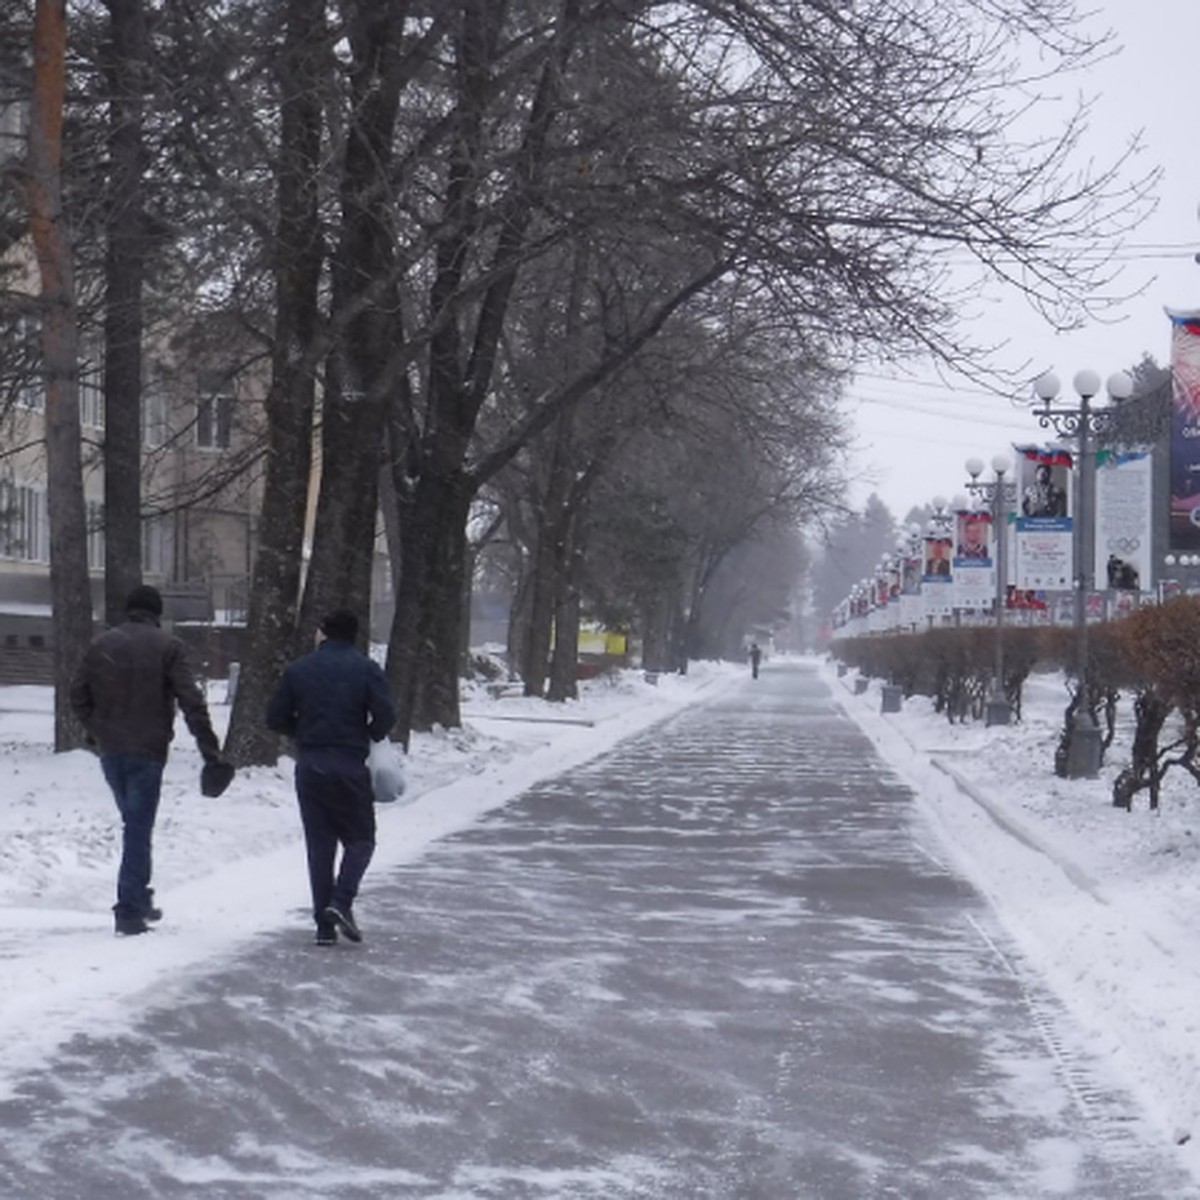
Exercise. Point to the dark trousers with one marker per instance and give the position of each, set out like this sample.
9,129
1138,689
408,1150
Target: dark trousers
337,807
136,785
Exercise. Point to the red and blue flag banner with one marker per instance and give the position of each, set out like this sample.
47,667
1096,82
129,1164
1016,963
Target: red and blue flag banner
1185,430
1052,456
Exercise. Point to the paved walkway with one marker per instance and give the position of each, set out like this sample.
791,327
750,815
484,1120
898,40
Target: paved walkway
724,961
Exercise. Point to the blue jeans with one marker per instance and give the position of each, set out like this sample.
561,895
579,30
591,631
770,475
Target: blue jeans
337,808
136,784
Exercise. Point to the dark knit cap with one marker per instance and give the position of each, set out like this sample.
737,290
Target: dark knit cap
145,598
340,624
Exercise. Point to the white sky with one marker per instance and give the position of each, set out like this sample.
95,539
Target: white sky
914,435
1099,903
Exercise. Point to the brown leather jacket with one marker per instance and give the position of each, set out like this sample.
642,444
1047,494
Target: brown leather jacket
125,690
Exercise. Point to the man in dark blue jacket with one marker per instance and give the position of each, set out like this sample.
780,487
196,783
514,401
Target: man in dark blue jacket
333,703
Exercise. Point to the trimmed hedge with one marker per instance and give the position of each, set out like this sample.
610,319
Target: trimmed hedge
1152,657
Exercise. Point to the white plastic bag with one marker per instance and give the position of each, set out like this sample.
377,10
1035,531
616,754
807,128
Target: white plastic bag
385,761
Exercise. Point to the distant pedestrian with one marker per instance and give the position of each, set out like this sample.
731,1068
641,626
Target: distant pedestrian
333,703
124,694
755,659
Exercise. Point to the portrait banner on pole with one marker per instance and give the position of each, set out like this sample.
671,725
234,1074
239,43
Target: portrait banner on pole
1045,531
939,552
974,577
1184,520
1043,482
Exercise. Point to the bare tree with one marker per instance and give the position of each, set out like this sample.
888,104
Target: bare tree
124,268
275,587
70,592
818,159
358,376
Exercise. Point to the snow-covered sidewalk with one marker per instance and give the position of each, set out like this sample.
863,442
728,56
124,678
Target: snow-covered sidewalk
230,869
1101,901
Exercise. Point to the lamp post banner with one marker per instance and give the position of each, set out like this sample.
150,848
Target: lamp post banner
974,575
939,551
973,539
1185,430
1124,505
1044,553
1044,531
1043,482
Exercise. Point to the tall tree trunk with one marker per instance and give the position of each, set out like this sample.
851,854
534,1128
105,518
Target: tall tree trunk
275,587
660,624
423,652
518,617
124,270
343,541
539,624
551,514
70,589
462,361
358,377
564,663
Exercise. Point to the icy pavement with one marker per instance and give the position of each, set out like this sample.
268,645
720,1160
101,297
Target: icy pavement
729,958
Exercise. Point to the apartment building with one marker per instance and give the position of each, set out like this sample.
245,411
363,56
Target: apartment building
201,486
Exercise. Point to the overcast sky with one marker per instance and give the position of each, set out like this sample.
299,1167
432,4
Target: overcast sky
913,436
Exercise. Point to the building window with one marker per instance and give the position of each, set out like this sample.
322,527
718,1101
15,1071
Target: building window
214,414
95,535
29,386
91,392
24,530
14,128
30,389
154,418
157,546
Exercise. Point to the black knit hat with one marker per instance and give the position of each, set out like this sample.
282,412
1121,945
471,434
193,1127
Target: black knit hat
341,624
145,598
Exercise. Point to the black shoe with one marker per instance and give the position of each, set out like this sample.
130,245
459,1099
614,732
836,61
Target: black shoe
326,935
130,926
151,913
344,921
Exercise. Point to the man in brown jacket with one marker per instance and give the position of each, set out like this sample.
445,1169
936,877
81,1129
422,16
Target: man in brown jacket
124,693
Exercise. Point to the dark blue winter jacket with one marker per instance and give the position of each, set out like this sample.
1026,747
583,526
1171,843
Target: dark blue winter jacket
334,696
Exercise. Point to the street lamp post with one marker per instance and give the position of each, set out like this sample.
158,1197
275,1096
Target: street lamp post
1187,564
997,711
1082,733
908,552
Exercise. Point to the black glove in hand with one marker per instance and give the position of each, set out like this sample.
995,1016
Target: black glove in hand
215,776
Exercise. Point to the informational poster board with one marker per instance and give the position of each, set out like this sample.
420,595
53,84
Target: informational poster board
1124,502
